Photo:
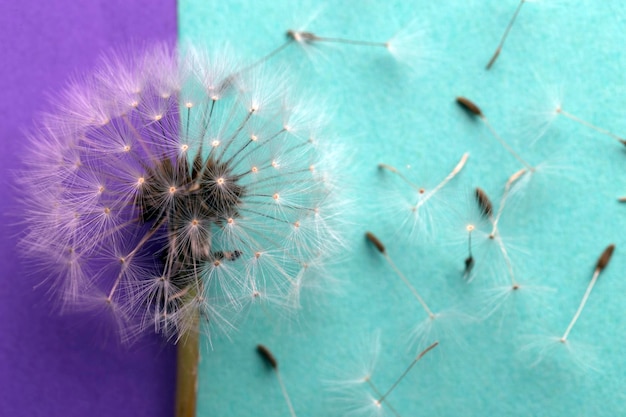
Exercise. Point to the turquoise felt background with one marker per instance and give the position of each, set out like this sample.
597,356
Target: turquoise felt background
383,111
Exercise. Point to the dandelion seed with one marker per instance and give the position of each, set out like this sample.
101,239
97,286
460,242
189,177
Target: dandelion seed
459,166
355,401
434,321
496,54
602,262
270,360
505,196
470,107
549,114
381,248
501,298
559,110
487,253
545,346
422,208
407,45
300,37
486,207
383,397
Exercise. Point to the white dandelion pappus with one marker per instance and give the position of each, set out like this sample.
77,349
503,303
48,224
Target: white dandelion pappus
580,353
358,395
171,184
423,208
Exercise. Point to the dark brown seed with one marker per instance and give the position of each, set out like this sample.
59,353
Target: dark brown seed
197,165
428,349
469,265
301,36
376,242
486,208
493,58
469,106
267,356
604,259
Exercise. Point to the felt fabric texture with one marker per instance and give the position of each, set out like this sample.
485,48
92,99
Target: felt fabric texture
51,364
383,110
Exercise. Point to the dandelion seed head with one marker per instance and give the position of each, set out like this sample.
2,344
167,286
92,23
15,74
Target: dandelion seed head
147,188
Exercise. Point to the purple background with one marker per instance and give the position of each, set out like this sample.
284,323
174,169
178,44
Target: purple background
53,365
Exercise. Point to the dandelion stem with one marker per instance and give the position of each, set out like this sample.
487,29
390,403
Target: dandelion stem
407,370
126,260
206,118
591,126
475,111
486,208
379,395
381,248
270,360
600,265
504,36
237,131
505,195
292,412
505,145
507,261
399,174
348,41
187,124
262,144
581,306
268,56
411,287
140,139
188,355
459,166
